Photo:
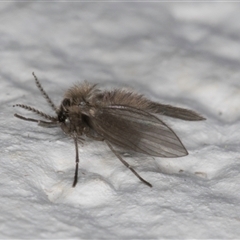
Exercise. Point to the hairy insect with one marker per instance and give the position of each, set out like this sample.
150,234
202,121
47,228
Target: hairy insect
119,118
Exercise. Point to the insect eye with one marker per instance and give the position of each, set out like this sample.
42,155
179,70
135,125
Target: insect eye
61,117
66,102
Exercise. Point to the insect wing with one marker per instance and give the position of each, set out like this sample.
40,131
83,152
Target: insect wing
174,112
137,130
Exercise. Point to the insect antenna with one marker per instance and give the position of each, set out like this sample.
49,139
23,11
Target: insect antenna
31,109
45,94
77,161
127,165
40,122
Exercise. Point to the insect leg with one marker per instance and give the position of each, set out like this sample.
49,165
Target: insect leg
77,161
127,165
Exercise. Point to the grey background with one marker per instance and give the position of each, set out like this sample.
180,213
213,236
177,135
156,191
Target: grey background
184,54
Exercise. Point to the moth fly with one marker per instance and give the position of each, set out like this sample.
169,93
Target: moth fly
120,118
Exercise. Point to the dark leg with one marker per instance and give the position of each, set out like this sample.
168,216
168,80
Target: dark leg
77,161
127,165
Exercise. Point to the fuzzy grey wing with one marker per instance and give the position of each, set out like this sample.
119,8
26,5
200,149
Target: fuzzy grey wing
174,112
136,130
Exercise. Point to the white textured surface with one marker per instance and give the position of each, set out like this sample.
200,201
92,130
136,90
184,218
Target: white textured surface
184,54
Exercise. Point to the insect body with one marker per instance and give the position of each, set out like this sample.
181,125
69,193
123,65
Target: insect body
119,117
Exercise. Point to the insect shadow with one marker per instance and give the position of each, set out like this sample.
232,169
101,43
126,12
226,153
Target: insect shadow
119,117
